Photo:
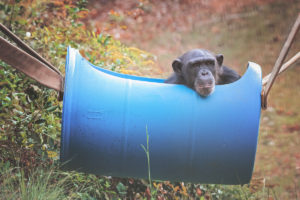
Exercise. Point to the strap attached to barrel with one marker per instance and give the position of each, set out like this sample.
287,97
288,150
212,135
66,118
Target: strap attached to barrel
278,63
29,62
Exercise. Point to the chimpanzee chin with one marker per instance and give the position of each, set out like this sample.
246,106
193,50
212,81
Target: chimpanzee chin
201,70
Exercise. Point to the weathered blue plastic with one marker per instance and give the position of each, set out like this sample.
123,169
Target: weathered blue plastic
193,139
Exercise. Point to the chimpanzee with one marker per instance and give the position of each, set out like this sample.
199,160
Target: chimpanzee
201,70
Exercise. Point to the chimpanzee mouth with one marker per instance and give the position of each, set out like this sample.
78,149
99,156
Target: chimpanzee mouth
205,90
204,86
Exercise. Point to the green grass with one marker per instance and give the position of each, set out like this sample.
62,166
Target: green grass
41,184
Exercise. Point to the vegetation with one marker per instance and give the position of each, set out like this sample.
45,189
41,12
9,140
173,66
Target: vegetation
30,114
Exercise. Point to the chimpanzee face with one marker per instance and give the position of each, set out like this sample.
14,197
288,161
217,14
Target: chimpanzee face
199,69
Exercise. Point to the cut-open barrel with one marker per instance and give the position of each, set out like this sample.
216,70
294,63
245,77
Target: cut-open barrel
193,139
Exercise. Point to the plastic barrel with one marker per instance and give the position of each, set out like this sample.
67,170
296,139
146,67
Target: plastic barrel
191,138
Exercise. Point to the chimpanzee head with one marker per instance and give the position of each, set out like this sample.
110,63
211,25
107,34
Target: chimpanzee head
199,69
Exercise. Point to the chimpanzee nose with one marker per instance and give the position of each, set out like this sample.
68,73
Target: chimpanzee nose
204,72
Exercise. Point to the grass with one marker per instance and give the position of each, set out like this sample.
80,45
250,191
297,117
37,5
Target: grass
41,184
146,149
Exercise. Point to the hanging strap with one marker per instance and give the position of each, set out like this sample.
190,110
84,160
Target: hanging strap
284,67
29,62
278,63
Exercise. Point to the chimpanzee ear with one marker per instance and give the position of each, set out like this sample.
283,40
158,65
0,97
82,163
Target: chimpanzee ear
220,58
177,65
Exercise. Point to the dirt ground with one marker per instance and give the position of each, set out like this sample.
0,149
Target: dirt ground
242,31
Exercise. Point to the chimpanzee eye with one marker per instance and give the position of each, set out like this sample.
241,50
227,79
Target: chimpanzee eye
209,62
195,65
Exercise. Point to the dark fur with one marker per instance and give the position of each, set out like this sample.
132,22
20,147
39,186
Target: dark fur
228,76
201,70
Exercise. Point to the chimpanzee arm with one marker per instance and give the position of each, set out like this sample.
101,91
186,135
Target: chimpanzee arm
228,76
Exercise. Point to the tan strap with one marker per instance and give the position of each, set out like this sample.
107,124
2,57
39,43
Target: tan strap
278,63
30,66
30,62
284,67
25,47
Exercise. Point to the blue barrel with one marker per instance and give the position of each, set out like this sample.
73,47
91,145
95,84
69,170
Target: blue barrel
193,139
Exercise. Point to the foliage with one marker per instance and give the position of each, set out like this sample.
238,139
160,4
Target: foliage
32,118
40,184
30,114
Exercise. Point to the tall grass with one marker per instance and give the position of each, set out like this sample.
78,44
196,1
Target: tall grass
148,158
41,184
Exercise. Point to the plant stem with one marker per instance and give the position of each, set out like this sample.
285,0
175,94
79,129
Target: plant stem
148,159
